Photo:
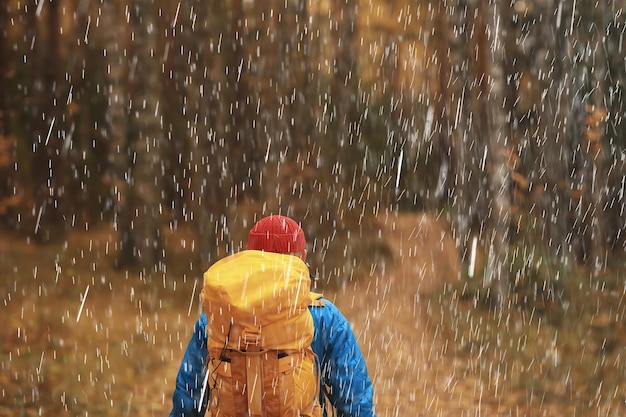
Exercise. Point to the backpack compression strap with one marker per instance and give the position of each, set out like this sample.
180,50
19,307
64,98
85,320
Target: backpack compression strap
254,371
316,300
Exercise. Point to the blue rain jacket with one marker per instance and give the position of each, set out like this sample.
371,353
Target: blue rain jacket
342,365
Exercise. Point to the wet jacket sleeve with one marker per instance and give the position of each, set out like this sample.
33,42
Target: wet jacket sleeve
343,367
187,394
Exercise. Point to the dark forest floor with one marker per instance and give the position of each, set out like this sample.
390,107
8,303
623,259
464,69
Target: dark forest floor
80,338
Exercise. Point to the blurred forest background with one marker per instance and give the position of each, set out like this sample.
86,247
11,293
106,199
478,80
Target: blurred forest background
507,117
484,139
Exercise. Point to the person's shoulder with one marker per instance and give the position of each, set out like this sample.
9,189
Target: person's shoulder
324,307
318,300
201,323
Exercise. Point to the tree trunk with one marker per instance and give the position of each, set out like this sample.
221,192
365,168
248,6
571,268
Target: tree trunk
442,131
47,173
82,114
239,115
595,141
615,140
119,157
344,85
553,108
207,153
4,73
454,121
148,168
491,59
8,192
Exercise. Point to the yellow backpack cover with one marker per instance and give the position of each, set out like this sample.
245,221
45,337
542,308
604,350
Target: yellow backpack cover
260,330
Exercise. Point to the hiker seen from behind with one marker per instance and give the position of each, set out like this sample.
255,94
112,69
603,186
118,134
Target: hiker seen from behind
265,345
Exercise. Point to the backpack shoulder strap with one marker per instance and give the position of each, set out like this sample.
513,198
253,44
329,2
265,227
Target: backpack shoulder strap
316,300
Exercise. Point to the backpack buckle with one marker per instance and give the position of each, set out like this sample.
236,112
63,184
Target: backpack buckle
251,338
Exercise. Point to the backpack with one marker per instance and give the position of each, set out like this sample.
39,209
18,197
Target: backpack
260,361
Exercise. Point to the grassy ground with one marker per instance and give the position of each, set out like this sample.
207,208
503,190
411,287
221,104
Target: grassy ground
564,355
81,338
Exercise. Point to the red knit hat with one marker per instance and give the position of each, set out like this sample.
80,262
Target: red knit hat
277,234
